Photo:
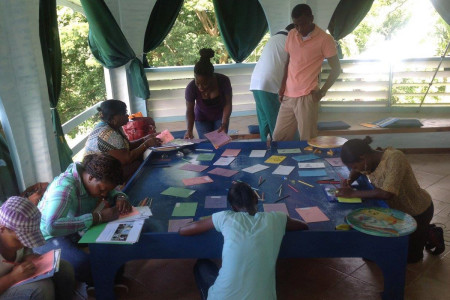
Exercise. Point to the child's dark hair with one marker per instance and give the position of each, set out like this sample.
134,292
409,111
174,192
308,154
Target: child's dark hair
352,150
204,67
104,167
110,108
241,195
301,10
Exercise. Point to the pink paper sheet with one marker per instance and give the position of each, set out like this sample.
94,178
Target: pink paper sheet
312,214
197,180
165,136
218,139
193,167
223,172
276,207
231,152
176,224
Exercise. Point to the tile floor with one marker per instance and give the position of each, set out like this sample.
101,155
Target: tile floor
339,278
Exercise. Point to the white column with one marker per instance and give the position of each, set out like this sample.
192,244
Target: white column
24,105
132,17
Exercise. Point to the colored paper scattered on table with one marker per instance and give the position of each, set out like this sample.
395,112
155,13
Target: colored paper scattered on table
287,151
312,173
178,192
276,207
197,180
258,153
192,167
223,172
218,139
305,157
335,161
176,224
275,159
312,214
184,209
349,200
255,168
283,170
319,165
231,152
224,161
205,156
216,202
165,136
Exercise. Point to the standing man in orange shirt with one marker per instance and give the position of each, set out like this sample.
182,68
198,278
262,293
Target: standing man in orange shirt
299,94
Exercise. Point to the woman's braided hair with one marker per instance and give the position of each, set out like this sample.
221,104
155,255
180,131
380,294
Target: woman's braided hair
104,167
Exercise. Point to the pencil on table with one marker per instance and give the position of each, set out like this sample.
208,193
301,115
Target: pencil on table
150,205
305,183
259,180
281,185
262,181
282,198
292,187
143,201
259,197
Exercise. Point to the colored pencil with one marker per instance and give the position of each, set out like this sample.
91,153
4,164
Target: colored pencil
206,150
282,198
259,197
305,183
292,187
262,181
281,185
151,201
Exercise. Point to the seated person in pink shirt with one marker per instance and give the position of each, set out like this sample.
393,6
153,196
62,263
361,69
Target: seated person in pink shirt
208,98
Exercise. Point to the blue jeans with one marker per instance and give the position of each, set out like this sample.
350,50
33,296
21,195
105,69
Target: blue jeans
205,273
207,126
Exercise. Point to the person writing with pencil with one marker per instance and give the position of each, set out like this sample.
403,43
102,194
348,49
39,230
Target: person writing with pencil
19,232
394,181
252,241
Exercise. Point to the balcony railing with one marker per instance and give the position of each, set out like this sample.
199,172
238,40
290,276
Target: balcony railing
363,85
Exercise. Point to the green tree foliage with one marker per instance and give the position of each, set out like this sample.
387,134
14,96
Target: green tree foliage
195,28
83,82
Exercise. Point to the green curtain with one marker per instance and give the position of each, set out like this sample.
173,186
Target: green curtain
110,47
242,25
8,183
51,54
160,23
346,17
443,8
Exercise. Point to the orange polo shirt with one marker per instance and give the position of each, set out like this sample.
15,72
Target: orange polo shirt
306,57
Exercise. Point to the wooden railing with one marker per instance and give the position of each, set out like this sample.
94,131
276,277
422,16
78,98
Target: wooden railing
364,85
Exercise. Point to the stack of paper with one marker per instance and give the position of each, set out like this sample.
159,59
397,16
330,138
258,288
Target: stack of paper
46,266
137,213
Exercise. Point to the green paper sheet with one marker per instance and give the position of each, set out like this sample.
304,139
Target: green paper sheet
184,209
178,192
205,156
92,234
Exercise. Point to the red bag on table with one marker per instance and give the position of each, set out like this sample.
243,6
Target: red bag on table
139,127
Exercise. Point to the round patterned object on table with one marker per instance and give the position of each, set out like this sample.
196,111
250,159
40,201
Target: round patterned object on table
381,221
327,142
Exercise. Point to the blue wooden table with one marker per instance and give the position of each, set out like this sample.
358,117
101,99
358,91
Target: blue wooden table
322,240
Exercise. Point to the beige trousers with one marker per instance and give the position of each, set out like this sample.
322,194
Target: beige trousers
300,114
